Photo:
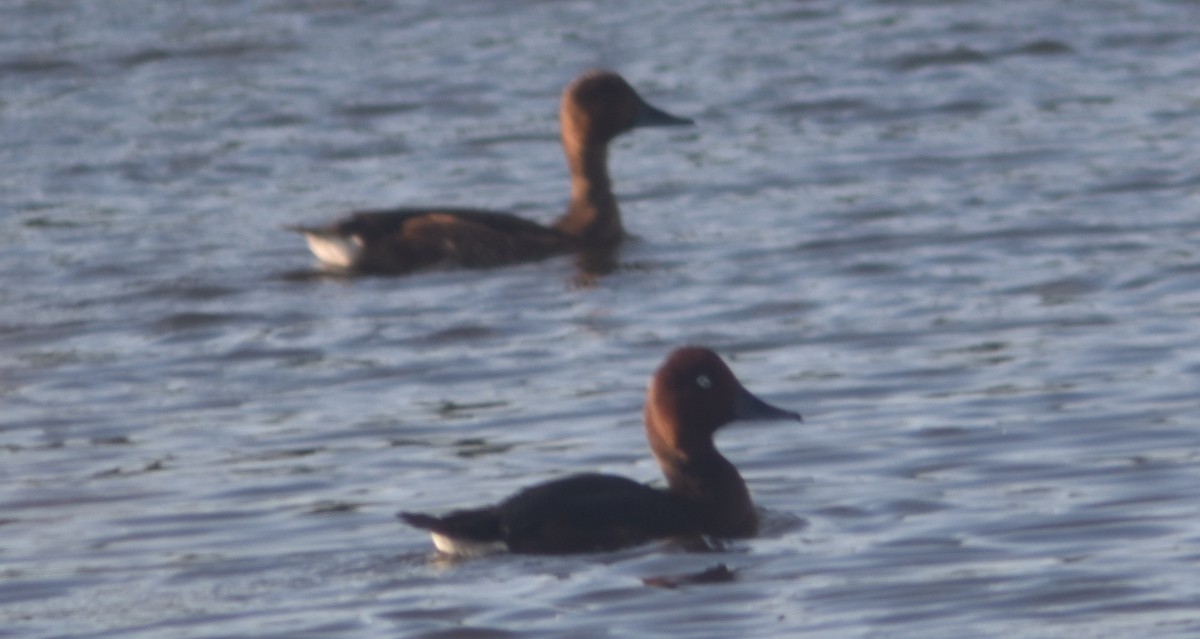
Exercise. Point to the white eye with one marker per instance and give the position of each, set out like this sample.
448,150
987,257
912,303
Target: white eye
703,381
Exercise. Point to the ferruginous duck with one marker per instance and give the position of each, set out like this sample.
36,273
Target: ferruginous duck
691,396
596,107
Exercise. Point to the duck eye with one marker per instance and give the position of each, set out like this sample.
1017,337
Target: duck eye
703,381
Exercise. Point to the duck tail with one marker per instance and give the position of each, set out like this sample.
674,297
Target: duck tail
480,524
420,520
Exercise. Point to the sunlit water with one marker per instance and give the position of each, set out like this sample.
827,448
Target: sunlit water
960,237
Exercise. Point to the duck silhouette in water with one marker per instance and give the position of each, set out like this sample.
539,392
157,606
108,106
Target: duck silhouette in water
596,107
691,396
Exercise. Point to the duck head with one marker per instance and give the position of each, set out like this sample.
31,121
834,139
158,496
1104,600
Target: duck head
600,105
691,396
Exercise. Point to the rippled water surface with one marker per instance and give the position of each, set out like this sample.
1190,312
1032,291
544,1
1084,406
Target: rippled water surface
960,237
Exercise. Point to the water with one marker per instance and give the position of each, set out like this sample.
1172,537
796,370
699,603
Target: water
961,238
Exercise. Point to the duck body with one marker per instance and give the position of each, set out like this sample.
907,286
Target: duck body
691,396
580,513
409,239
596,107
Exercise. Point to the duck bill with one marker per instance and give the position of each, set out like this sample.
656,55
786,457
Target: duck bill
746,406
648,115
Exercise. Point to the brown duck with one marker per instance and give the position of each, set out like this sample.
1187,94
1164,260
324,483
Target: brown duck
691,396
596,107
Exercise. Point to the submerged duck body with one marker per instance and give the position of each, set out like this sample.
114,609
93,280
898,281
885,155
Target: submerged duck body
596,108
691,396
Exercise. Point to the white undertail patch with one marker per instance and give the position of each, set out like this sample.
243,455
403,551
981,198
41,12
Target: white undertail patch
466,547
335,250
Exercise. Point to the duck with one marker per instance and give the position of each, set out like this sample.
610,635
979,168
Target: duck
691,396
595,108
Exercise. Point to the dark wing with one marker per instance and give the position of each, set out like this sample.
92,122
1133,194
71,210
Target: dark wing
385,222
592,512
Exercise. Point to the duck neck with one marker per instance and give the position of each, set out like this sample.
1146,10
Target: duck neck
592,217
710,482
